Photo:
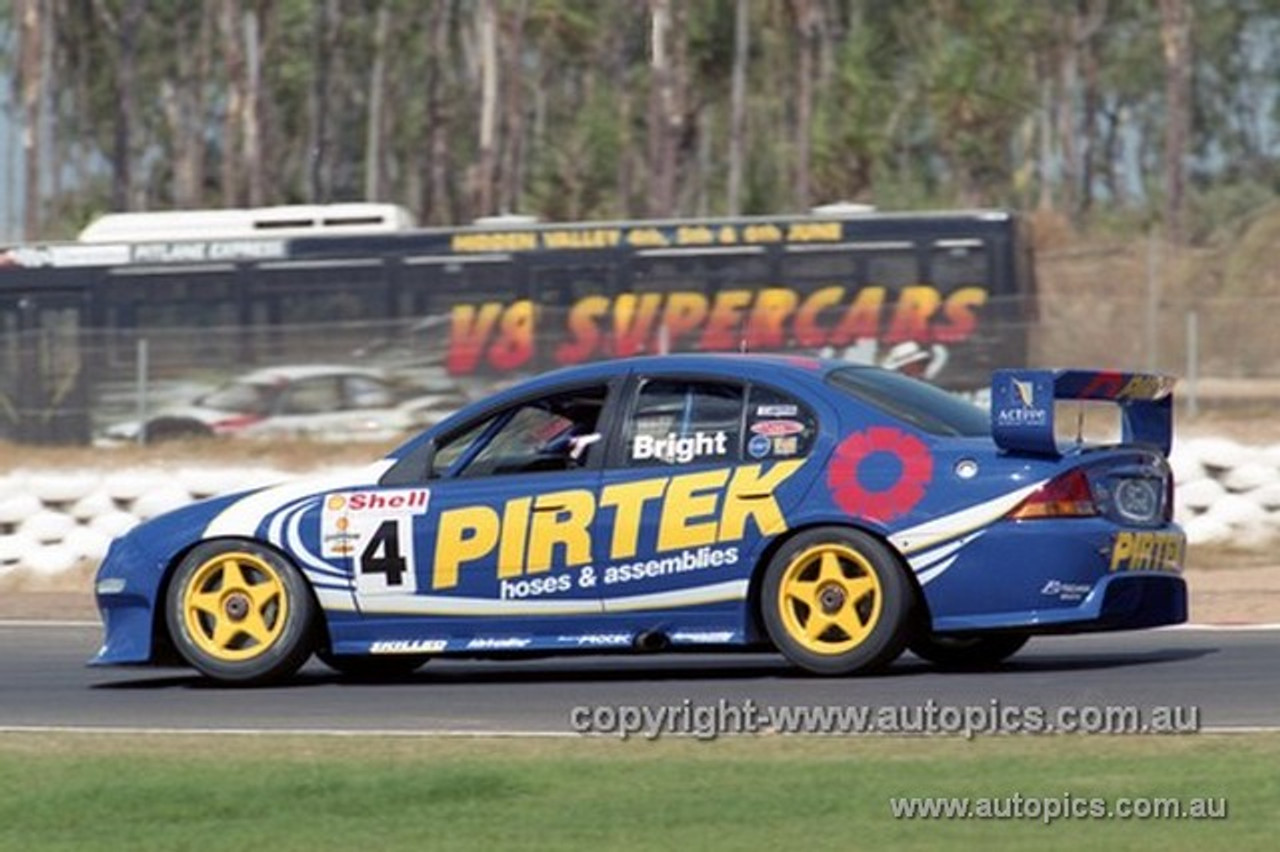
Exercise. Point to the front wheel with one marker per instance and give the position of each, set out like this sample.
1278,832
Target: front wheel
836,601
240,613
967,652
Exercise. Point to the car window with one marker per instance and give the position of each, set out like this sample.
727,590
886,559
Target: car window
452,449
241,397
367,392
913,401
778,425
313,396
553,433
684,422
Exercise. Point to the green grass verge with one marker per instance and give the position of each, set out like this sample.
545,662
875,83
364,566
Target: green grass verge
87,792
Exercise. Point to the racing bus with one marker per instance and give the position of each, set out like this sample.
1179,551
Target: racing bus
948,295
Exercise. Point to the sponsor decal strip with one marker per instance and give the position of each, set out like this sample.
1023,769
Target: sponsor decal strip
244,516
298,547
929,557
927,576
957,524
730,590
437,605
334,600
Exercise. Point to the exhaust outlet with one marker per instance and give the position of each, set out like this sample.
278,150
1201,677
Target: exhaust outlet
651,640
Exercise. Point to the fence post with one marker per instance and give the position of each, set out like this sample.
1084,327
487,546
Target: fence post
143,367
1193,362
1154,262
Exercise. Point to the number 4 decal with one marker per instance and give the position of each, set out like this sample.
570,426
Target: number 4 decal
382,554
384,559
370,533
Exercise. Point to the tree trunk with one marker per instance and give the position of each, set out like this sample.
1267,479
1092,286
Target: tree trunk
483,189
509,175
805,13
437,207
232,176
1068,23
1087,20
661,112
251,124
123,32
738,104
183,101
30,46
324,16
1175,35
375,129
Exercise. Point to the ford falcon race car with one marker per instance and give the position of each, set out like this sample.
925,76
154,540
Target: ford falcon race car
837,513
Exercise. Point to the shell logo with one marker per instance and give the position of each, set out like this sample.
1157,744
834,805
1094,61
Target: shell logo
336,502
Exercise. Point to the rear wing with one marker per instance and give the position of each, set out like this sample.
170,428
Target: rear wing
1022,406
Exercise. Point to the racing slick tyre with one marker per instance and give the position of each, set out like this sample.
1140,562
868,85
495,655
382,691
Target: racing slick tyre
836,601
967,652
240,613
368,667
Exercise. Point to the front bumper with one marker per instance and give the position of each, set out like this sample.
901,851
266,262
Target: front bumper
128,590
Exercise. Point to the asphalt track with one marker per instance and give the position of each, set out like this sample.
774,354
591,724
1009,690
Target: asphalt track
1232,676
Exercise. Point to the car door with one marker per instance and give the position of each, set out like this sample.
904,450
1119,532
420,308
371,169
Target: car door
701,476
502,523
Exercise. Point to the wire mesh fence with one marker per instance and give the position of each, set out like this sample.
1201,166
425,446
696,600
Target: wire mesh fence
65,383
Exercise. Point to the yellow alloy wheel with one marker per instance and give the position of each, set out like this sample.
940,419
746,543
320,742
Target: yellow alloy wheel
830,598
235,606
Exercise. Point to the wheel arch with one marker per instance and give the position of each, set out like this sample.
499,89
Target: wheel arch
163,648
754,618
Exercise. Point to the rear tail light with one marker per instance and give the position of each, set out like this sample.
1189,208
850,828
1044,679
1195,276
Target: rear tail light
1065,496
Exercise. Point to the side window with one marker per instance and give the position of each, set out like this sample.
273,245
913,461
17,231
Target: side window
778,426
554,433
684,422
365,392
448,453
313,396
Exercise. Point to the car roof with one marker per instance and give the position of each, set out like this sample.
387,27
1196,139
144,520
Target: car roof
797,368
295,372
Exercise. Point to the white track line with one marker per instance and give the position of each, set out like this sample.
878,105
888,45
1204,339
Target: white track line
1221,628
444,733
448,733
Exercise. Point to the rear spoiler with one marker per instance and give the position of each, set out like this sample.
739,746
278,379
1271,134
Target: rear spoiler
1022,406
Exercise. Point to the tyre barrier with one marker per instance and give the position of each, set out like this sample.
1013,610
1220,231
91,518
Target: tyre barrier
57,521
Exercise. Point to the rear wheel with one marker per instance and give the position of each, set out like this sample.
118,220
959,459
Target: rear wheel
967,652
836,601
240,613
176,429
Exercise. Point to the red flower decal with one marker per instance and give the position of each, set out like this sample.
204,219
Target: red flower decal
879,502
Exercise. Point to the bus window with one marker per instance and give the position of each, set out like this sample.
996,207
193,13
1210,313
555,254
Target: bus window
827,266
958,263
565,285
698,271
892,268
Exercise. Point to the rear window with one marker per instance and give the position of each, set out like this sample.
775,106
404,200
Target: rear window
912,401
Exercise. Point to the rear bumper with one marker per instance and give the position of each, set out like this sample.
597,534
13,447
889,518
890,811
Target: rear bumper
1117,602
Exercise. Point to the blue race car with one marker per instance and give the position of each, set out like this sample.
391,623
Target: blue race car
837,513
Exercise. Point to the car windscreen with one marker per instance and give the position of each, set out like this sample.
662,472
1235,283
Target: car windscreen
912,401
